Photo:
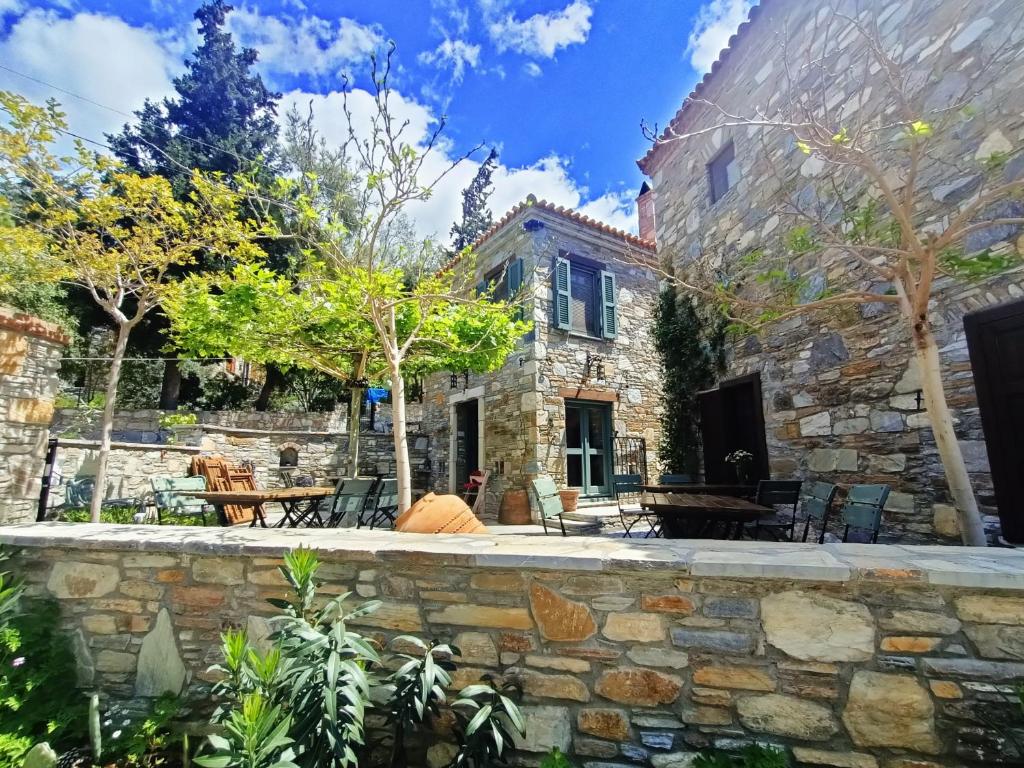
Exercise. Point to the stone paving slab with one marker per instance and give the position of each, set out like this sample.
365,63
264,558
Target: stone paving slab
950,566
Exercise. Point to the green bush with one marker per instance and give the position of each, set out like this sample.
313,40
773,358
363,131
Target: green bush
753,756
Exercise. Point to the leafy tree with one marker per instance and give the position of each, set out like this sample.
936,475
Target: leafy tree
874,228
476,216
105,229
691,351
222,119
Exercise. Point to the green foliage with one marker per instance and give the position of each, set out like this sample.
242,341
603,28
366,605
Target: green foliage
476,216
140,741
752,756
977,266
255,736
690,344
483,714
178,419
555,759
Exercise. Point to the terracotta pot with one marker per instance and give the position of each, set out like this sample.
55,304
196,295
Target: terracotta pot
570,498
439,514
515,508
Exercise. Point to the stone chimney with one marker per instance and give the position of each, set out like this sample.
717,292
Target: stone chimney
645,212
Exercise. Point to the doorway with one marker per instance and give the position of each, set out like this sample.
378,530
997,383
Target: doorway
732,419
588,452
467,441
995,340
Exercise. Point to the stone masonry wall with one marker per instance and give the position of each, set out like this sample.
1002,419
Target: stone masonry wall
30,352
524,402
629,653
839,394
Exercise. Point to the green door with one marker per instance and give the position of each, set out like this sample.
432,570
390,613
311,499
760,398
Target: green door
588,454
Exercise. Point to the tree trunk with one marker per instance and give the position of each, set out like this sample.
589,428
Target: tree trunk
271,384
356,394
107,423
170,387
927,354
401,439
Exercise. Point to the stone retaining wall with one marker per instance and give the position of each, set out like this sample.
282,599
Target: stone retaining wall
30,352
629,653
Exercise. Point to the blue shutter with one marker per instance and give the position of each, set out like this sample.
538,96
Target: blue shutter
514,277
563,319
609,318
482,287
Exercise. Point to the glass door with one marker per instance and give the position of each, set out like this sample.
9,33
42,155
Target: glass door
588,447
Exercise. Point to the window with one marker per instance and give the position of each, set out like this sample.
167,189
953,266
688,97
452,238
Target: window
506,281
723,172
585,299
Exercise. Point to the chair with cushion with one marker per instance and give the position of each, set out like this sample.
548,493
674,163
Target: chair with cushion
861,513
817,506
384,508
170,499
549,502
627,496
784,497
675,479
78,492
349,502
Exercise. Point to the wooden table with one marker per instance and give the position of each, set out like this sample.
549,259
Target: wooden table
288,498
685,515
718,489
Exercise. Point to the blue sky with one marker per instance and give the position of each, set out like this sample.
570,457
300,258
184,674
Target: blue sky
560,86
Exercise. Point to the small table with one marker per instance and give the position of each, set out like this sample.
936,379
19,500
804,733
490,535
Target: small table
288,498
676,510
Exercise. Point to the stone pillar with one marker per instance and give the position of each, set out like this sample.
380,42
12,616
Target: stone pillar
30,353
645,213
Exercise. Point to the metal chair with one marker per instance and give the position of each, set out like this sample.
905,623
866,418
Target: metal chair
818,506
675,479
549,501
169,499
350,498
778,493
861,513
78,492
627,498
384,507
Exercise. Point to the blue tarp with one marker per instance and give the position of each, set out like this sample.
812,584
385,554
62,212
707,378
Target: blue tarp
376,395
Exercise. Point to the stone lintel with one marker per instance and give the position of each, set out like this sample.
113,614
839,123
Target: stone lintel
582,393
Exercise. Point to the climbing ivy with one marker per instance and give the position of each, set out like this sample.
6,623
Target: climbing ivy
690,340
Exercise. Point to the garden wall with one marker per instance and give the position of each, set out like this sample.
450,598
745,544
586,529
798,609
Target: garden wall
30,352
629,652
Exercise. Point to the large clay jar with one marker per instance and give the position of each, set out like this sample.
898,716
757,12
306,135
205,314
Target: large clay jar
515,508
439,514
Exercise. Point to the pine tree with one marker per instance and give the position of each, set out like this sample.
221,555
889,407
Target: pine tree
476,216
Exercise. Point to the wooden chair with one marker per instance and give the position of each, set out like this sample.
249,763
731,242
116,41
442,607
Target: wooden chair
549,501
675,479
384,507
818,506
861,513
627,497
169,499
350,498
778,493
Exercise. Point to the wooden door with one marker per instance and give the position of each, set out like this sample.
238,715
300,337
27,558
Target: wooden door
712,437
731,419
995,339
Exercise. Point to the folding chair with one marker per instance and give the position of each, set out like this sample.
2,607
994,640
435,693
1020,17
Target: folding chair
79,490
818,506
549,501
778,493
350,498
861,513
384,507
627,498
675,479
169,499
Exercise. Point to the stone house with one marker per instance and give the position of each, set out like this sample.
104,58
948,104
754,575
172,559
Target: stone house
837,398
579,399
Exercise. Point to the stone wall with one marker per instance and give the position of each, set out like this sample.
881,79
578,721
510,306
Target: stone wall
30,352
629,652
840,397
524,402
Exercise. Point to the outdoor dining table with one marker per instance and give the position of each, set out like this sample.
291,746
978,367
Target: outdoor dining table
718,489
290,500
684,515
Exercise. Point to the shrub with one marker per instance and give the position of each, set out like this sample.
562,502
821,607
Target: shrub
752,756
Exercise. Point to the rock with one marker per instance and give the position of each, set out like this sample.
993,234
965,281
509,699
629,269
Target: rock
886,462
945,689
832,460
815,627
606,723
667,604
40,756
886,421
218,570
497,582
551,686
827,351
441,754
160,669
546,727
809,756
816,424
918,622
974,669
991,609
467,614
658,657
706,715
783,715
675,760
637,627
560,663
997,642
730,608
258,631
587,747
909,644
856,426
476,648
968,35
945,521
70,579
115,662
722,641
560,619
740,678
85,668
638,687
890,710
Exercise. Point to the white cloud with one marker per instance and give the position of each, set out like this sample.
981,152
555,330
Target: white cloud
542,34
716,22
96,56
455,55
532,69
297,45
11,6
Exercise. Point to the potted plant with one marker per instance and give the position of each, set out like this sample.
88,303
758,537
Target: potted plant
570,498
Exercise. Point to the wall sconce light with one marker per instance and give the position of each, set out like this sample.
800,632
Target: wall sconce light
595,366
919,398
455,381
522,361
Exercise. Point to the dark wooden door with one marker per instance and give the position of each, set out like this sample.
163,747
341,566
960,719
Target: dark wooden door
732,418
995,339
712,436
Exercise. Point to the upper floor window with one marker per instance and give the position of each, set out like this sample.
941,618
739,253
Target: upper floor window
504,282
585,299
723,172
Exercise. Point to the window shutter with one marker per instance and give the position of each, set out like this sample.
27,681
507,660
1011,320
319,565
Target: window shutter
562,318
514,276
609,319
481,287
